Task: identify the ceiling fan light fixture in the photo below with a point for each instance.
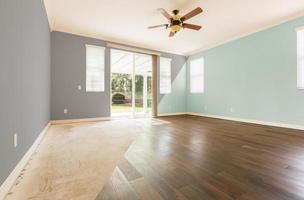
(176, 21)
(175, 28)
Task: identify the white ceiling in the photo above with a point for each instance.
(126, 21)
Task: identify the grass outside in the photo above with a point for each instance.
(123, 108)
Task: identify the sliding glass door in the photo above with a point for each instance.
(131, 76)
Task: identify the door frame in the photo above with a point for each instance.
(154, 83)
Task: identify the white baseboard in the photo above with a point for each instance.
(69, 121)
(276, 124)
(171, 114)
(10, 180)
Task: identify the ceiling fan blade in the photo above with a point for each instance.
(191, 14)
(157, 26)
(164, 13)
(192, 26)
(171, 34)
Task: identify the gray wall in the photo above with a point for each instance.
(24, 78)
(68, 60)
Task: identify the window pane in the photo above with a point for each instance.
(197, 75)
(94, 68)
(165, 75)
(300, 53)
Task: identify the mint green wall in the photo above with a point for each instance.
(174, 102)
(254, 78)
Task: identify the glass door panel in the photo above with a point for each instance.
(121, 83)
(139, 94)
(143, 73)
(149, 90)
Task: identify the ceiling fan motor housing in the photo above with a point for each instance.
(175, 12)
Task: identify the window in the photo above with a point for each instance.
(197, 75)
(94, 68)
(165, 75)
(300, 55)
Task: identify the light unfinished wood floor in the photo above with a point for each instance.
(74, 161)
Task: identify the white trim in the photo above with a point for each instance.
(132, 49)
(115, 40)
(70, 121)
(10, 180)
(171, 114)
(188, 53)
(301, 28)
(95, 46)
(242, 35)
(267, 123)
(165, 58)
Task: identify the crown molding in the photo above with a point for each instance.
(118, 42)
(244, 34)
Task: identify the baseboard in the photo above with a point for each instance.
(10, 180)
(69, 121)
(171, 114)
(276, 124)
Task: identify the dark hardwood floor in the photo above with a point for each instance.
(189, 158)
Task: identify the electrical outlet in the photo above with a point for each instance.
(65, 111)
(231, 109)
(79, 87)
(15, 140)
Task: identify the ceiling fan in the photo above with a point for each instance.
(177, 22)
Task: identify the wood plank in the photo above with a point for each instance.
(144, 190)
(128, 170)
(117, 188)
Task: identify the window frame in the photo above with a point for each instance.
(202, 75)
(160, 75)
(300, 59)
(89, 90)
